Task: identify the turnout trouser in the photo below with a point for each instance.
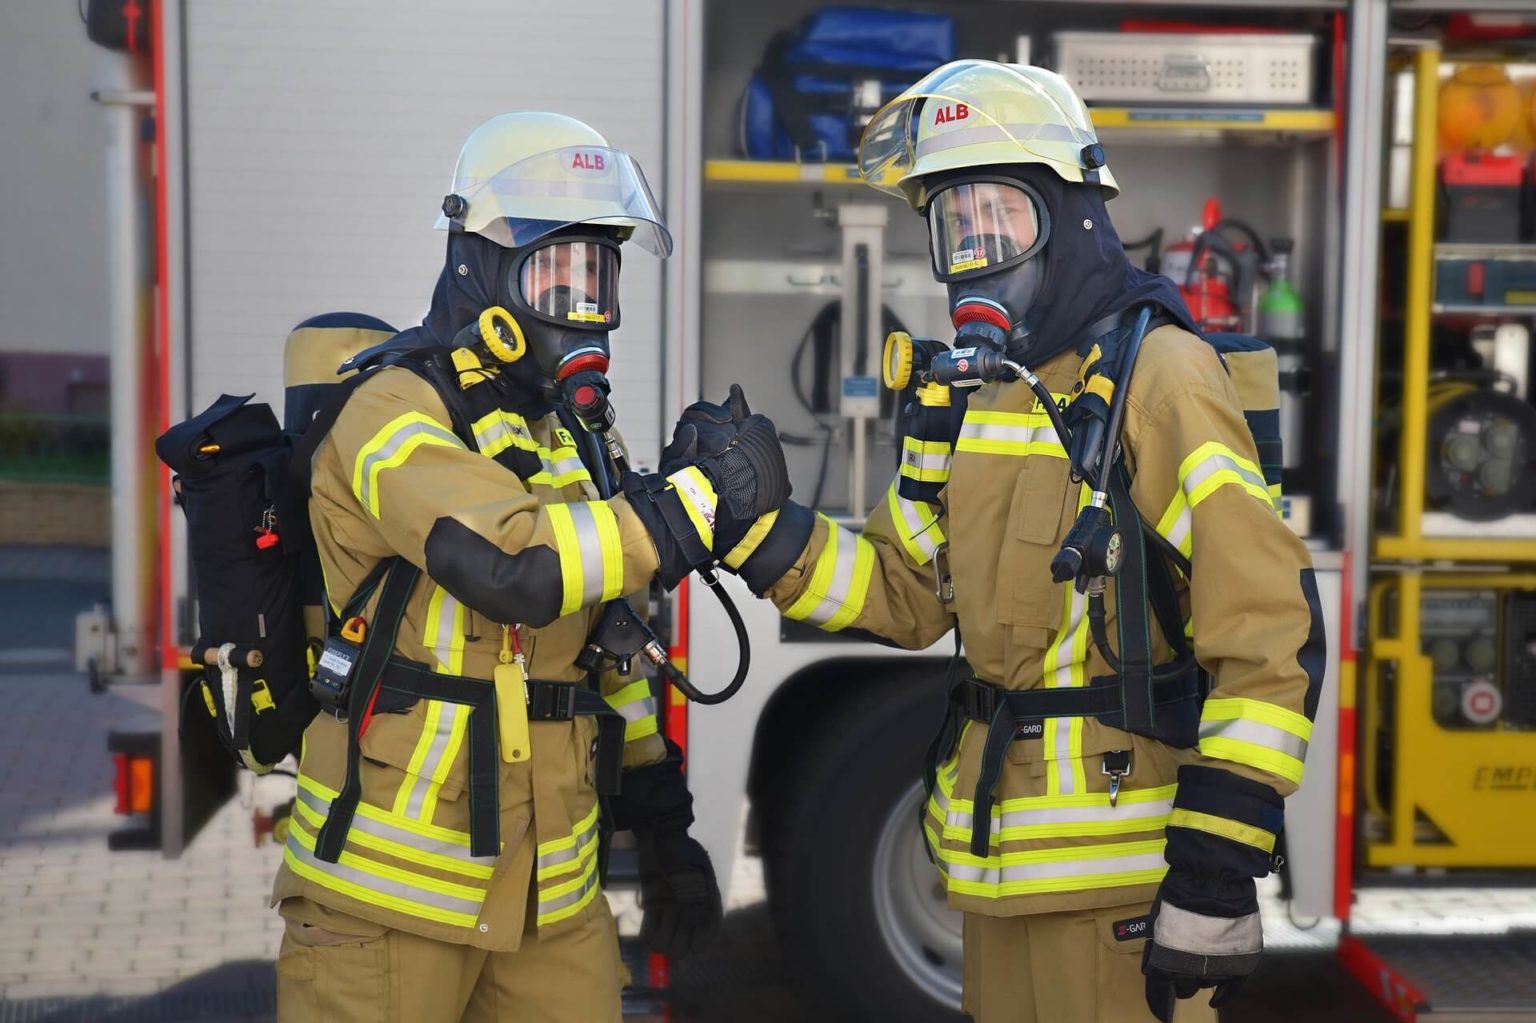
(1077, 967)
(336, 968)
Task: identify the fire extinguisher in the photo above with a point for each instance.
(1216, 275)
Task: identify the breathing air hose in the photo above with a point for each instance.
(621, 634)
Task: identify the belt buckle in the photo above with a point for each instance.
(563, 702)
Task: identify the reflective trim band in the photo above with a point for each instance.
(1076, 868)
(698, 499)
(390, 447)
(638, 706)
(591, 553)
(1069, 816)
(566, 900)
(1246, 834)
(499, 430)
(441, 736)
(397, 842)
(444, 634)
(926, 461)
(421, 829)
(839, 583)
(562, 467)
(1210, 467)
(1027, 131)
(917, 526)
(556, 857)
(1256, 734)
(1009, 433)
(754, 539)
(1064, 666)
(382, 885)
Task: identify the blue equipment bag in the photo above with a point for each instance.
(810, 97)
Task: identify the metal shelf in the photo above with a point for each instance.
(1147, 123)
(1485, 310)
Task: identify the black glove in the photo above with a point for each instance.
(1206, 931)
(678, 891)
(749, 478)
(705, 429)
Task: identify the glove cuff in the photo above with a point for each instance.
(772, 546)
(1223, 823)
(1189, 944)
(678, 511)
(654, 798)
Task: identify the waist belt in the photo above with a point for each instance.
(547, 701)
(1012, 714)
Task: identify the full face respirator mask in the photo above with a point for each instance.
(986, 234)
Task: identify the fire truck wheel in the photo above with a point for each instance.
(859, 909)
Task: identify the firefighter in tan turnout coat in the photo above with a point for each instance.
(443, 857)
(1067, 840)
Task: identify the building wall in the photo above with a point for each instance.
(52, 181)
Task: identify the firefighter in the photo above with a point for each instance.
(1103, 874)
(444, 855)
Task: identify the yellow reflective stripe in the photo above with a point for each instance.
(548, 852)
(1074, 868)
(1253, 755)
(1009, 433)
(383, 885)
(435, 832)
(1275, 493)
(1065, 666)
(499, 430)
(407, 798)
(562, 467)
(917, 525)
(1208, 468)
(390, 447)
(458, 728)
(1235, 830)
(1257, 734)
(698, 499)
(573, 898)
(444, 634)
(926, 461)
(834, 597)
(400, 851)
(638, 707)
(1229, 708)
(591, 553)
(738, 555)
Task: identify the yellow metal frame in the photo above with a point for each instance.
(1134, 121)
(1409, 543)
(1447, 774)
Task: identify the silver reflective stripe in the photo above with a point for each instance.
(1124, 813)
(842, 579)
(386, 886)
(590, 542)
(1257, 733)
(1214, 464)
(638, 710)
(919, 522)
(1044, 433)
(1179, 532)
(379, 829)
(1060, 868)
(570, 465)
(392, 447)
(1029, 131)
(501, 433)
(559, 902)
(929, 462)
(421, 781)
(566, 855)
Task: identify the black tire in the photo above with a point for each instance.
(854, 776)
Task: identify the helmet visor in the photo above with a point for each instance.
(980, 226)
(575, 282)
(561, 188)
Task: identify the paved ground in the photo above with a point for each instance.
(129, 936)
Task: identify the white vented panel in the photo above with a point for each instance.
(321, 139)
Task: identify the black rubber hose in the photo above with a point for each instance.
(743, 644)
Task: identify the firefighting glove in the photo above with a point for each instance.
(678, 892)
(1206, 931)
(705, 429)
(703, 510)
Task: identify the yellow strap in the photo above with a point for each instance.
(1211, 824)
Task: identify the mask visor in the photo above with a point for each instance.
(980, 226)
(575, 283)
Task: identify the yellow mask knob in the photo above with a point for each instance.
(896, 362)
(502, 335)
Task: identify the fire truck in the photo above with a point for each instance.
(273, 161)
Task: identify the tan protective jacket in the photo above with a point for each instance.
(1057, 842)
(539, 554)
